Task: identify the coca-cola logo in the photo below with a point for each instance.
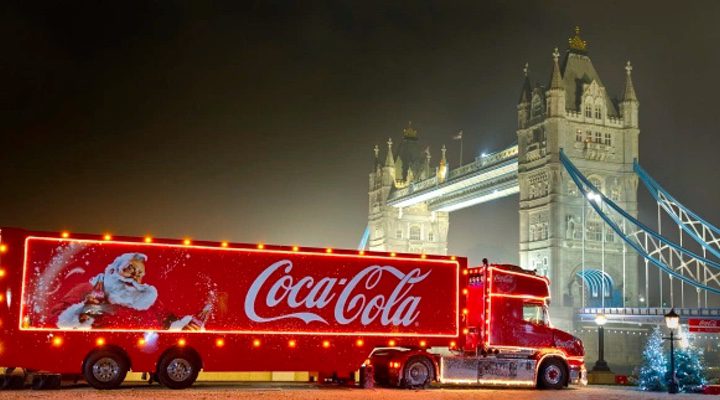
(352, 298)
(707, 323)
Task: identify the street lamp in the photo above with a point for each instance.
(672, 321)
(601, 364)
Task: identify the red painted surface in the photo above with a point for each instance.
(275, 308)
(698, 325)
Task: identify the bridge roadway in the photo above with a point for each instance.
(487, 178)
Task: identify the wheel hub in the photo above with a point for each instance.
(106, 369)
(553, 374)
(418, 373)
(179, 369)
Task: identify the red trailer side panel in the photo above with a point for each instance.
(126, 286)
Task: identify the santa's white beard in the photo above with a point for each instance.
(127, 292)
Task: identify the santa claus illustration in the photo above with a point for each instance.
(118, 298)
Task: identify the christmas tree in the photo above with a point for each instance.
(653, 372)
(689, 366)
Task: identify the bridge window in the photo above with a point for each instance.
(594, 231)
(415, 233)
(578, 136)
(431, 236)
(588, 111)
(608, 139)
(598, 137)
(598, 113)
(398, 234)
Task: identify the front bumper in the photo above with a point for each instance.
(578, 375)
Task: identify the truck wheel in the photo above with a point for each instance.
(46, 382)
(418, 373)
(105, 369)
(552, 374)
(12, 382)
(178, 369)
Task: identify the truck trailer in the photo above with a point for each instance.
(93, 307)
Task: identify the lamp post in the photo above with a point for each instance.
(601, 365)
(672, 321)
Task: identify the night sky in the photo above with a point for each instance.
(255, 121)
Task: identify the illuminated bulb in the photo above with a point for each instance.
(453, 258)
(256, 343)
(292, 343)
(148, 239)
(295, 248)
(3, 248)
(361, 252)
(260, 246)
(465, 291)
(107, 236)
(326, 344)
(328, 250)
(57, 341)
(359, 343)
(423, 343)
(220, 342)
(391, 343)
(2, 297)
(465, 311)
(186, 242)
(465, 272)
(423, 255)
(100, 341)
(453, 344)
(392, 254)
(65, 235)
(2, 273)
(224, 244)
(182, 342)
(465, 331)
(141, 342)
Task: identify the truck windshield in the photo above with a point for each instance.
(534, 313)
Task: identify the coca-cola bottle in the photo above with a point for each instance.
(200, 319)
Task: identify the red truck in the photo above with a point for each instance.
(94, 307)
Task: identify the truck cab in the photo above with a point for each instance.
(509, 337)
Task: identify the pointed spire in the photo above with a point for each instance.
(556, 80)
(629, 88)
(442, 168)
(376, 150)
(389, 162)
(527, 87)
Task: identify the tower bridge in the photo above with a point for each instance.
(574, 166)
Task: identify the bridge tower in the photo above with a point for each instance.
(413, 229)
(600, 135)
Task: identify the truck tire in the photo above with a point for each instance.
(418, 372)
(46, 382)
(552, 374)
(178, 369)
(105, 369)
(12, 382)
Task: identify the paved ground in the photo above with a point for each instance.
(310, 392)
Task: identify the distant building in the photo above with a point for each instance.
(600, 134)
(413, 229)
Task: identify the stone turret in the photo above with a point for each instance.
(556, 93)
(630, 104)
(523, 107)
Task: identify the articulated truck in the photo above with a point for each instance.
(94, 307)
